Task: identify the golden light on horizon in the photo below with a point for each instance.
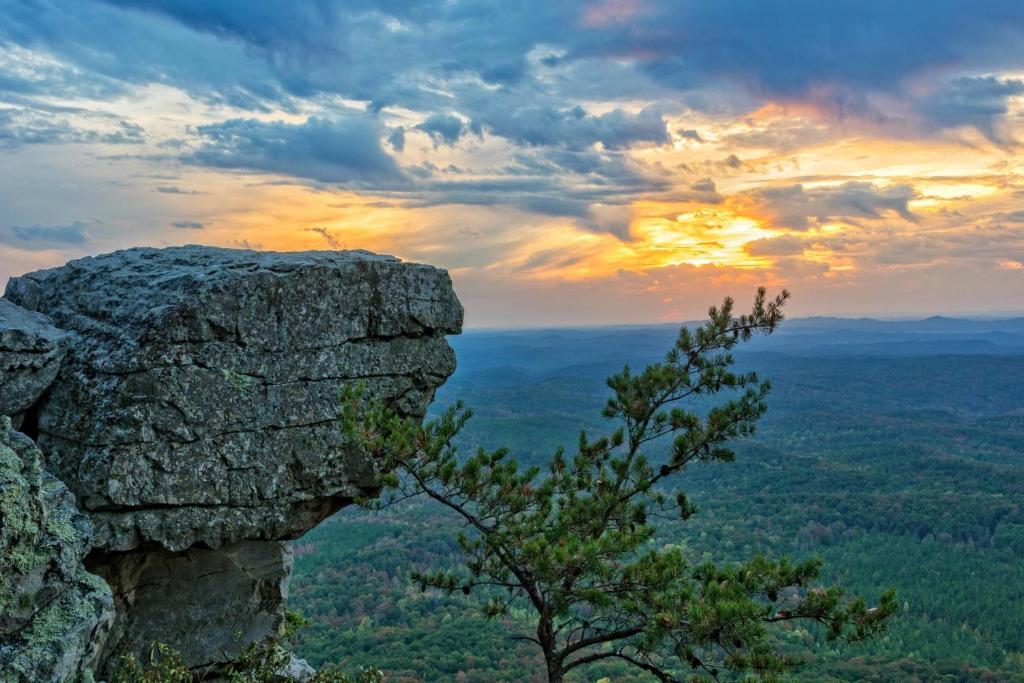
(699, 237)
(742, 230)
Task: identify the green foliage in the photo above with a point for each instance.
(573, 544)
(164, 666)
(263, 664)
(293, 623)
(258, 663)
(23, 518)
(902, 471)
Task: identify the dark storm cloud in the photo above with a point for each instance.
(549, 258)
(259, 52)
(784, 245)
(549, 181)
(574, 127)
(796, 207)
(791, 47)
(174, 189)
(387, 53)
(346, 150)
(101, 51)
(557, 80)
(443, 127)
(978, 102)
(611, 170)
(328, 236)
(397, 139)
(38, 237)
(704, 185)
(781, 46)
(27, 126)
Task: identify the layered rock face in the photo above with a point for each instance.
(54, 615)
(207, 604)
(197, 403)
(194, 416)
(31, 350)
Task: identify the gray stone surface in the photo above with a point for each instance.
(297, 670)
(195, 416)
(208, 604)
(53, 614)
(198, 402)
(31, 349)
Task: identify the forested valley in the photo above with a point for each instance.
(892, 450)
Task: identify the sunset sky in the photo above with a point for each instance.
(568, 162)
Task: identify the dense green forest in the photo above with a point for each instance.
(893, 451)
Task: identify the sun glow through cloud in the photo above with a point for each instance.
(584, 169)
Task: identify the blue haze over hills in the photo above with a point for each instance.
(892, 449)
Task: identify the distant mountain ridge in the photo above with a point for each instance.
(542, 350)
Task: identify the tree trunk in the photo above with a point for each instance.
(553, 658)
(555, 672)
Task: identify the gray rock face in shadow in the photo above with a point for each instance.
(195, 414)
(31, 350)
(208, 603)
(53, 613)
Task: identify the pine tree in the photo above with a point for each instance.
(574, 541)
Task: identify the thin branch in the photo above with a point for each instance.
(606, 637)
(658, 673)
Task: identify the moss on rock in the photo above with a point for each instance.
(53, 613)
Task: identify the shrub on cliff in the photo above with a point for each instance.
(269, 663)
(52, 611)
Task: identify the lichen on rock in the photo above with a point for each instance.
(52, 611)
(31, 350)
(195, 415)
(199, 400)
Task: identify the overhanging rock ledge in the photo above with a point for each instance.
(194, 416)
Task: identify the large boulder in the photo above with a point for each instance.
(31, 349)
(199, 400)
(53, 613)
(195, 416)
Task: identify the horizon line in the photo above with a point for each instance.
(980, 316)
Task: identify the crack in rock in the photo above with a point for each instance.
(189, 398)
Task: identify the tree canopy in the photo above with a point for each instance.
(576, 540)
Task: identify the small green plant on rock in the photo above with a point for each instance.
(258, 663)
(164, 666)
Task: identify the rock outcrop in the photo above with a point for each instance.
(206, 603)
(31, 350)
(53, 613)
(194, 416)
